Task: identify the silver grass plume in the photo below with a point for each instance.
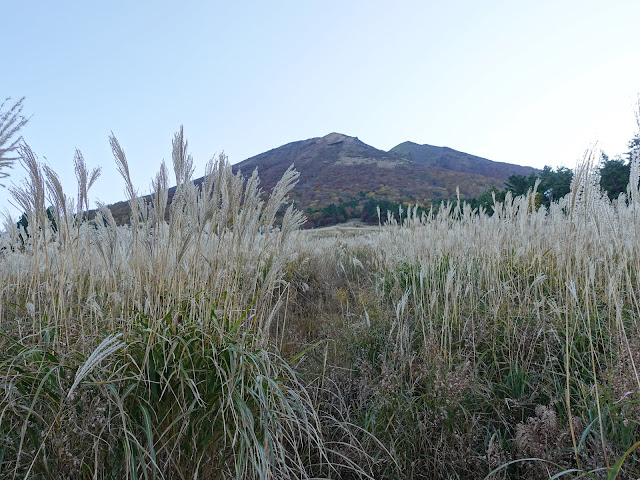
(10, 226)
(228, 193)
(293, 219)
(109, 345)
(279, 195)
(634, 174)
(63, 206)
(182, 160)
(85, 180)
(585, 184)
(249, 209)
(184, 199)
(634, 177)
(219, 179)
(206, 203)
(31, 195)
(55, 191)
(160, 189)
(106, 234)
(11, 121)
(123, 169)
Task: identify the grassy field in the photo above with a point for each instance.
(351, 228)
(202, 341)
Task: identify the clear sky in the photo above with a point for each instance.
(527, 82)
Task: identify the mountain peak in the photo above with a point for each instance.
(407, 143)
(336, 137)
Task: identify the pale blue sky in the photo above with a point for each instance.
(532, 83)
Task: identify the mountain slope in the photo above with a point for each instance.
(450, 159)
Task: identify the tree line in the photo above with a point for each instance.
(556, 183)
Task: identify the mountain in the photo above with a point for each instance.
(341, 176)
(451, 159)
(339, 167)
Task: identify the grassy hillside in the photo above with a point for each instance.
(450, 159)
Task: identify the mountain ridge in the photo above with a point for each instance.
(456, 160)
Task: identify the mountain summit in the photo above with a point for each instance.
(315, 154)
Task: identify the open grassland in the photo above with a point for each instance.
(202, 341)
(351, 228)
